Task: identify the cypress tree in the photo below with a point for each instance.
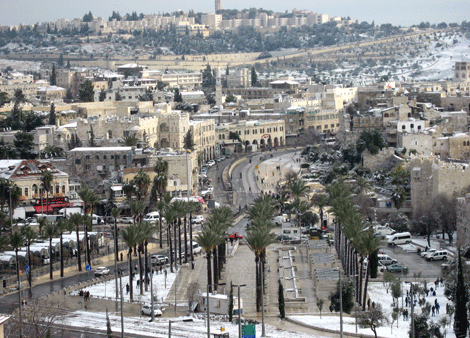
(282, 305)
(230, 304)
(461, 298)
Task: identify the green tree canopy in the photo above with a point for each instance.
(86, 92)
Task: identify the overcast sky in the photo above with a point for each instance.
(397, 12)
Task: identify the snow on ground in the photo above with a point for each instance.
(159, 328)
(108, 289)
(378, 294)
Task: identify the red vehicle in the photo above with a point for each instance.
(235, 235)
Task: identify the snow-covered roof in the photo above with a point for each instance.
(82, 149)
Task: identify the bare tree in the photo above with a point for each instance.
(372, 318)
(38, 318)
(192, 293)
(445, 208)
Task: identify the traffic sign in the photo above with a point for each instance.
(249, 331)
(88, 267)
(27, 268)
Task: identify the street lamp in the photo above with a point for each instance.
(119, 272)
(208, 312)
(239, 310)
(175, 321)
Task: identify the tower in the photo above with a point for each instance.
(218, 88)
(218, 5)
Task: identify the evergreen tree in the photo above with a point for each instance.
(347, 288)
(86, 92)
(254, 77)
(60, 62)
(75, 142)
(52, 117)
(102, 95)
(282, 305)
(53, 77)
(24, 144)
(91, 141)
(117, 97)
(88, 17)
(68, 64)
(178, 97)
(461, 298)
(189, 140)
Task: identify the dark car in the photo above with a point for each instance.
(281, 238)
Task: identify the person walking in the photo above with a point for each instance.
(127, 288)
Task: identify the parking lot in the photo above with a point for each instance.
(415, 263)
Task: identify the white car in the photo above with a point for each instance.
(127, 220)
(198, 219)
(147, 310)
(424, 254)
(210, 163)
(102, 271)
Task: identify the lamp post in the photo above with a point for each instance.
(151, 289)
(340, 306)
(119, 272)
(239, 310)
(208, 312)
(175, 321)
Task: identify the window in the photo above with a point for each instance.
(78, 161)
(63, 189)
(105, 157)
(87, 157)
(88, 167)
(124, 156)
(112, 157)
(117, 157)
(403, 127)
(57, 189)
(97, 157)
(26, 192)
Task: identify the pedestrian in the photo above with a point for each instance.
(437, 308)
(436, 283)
(138, 283)
(127, 288)
(121, 257)
(434, 293)
(368, 304)
(442, 280)
(447, 308)
(433, 309)
(404, 315)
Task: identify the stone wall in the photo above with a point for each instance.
(385, 159)
(463, 220)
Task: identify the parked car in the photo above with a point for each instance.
(152, 217)
(198, 219)
(102, 271)
(147, 310)
(438, 255)
(127, 220)
(235, 235)
(158, 260)
(428, 252)
(281, 238)
(386, 259)
(211, 163)
(395, 268)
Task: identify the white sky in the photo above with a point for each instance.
(403, 13)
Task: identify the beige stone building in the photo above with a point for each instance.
(431, 176)
(462, 71)
(454, 147)
(421, 142)
(463, 220)
(27, 174)
(204, 137)
(263, 134)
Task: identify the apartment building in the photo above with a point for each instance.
(462, 72)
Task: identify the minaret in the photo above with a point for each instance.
(218, 5)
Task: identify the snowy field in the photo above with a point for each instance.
(378, 294)
(108, 289)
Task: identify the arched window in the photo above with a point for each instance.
(110, 134)
(35, 189)
(63, 189)
(57, 189)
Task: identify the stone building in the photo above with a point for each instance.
(27, 174)
(454, 147)
(204, 137)
(431, 177)
(421, 142)
(463, 220)
(92, 165)
(462, 71)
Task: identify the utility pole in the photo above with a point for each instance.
(340, 306)
(263, 327)
(412, 312)
(119, 271)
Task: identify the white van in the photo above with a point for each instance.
(438, 255)
(152, 217)
(400, 238)
(386, 259)
(196, 248)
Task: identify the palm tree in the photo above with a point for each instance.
(142, 184)
(146, 230)
(263, 207)
(370, 244)
(46, 179)
(89, 198)
(192, 207)
(130, 235)
(297, 188)
(180, 207)
(137, 209)
(160, 182)
(16, 241)
(320, 201)
(49, 232)
(207, 239)
(170, 214)
(116, 212)
(30, 236)
(301, 207)
(63, 225)
(76, 220)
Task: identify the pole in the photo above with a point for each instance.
(19, 291)
(355, 300)
(11, 211)
(151, 292)
(412, 312)
(208, 314)
(169, 329)
(263, 328)
(340, 306)
(115, 259)
(239, 315)
(122, 300)
(176, 279)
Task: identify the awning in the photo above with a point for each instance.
(29, 208)
(41, 209)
